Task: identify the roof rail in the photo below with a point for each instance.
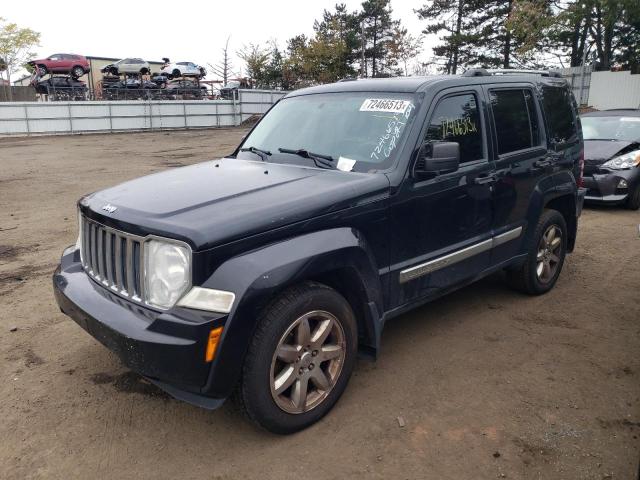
(347, 79)
(483, 72)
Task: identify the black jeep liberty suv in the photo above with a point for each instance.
(264, 273)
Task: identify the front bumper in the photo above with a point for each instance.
(166, 347)
(604, 188)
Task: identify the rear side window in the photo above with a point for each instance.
(558, 109)
(457, 119)
(515, 119)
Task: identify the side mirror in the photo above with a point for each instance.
(435, 157)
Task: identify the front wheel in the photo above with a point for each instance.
(545, 258)
(300, 358)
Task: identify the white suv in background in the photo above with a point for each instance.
(182, 69)
(128, 66)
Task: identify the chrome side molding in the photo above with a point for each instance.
(451, 258)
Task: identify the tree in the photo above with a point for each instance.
(454, 20)
(404, 47)
(15, 47)
(274, 70)
(223, 68)
(572, 30)
(338, 31)
(256, 57)
(378, 30)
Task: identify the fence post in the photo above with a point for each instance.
(235, 119)
(26, 118)
(70, 117)
(184, 112)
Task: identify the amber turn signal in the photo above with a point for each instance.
(212, 344)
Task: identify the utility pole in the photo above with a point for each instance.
(363, 62)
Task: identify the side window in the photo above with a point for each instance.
(515, 119)
(558, 109)
(457, 119)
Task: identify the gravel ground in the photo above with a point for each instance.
(488, 383)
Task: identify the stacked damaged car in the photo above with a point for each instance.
(132, 79)
(58, 76)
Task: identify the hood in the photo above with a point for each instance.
(603, 150)
(208, 205)
(597, 152)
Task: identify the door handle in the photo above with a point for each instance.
(543, 163)
(485, 179)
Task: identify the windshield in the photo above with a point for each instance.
(611, 128)
(360, 131)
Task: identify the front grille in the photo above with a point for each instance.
(112, 258)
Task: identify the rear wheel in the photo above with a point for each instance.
(175, 73)
(545, 258)
(633, 201)
(77, 71)
(42, 70)
(300, 359)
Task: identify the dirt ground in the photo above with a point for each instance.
(489, 383)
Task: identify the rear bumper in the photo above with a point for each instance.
(166, 347)
(604, 188)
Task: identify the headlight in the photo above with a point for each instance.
(628, 160)
(167, 272)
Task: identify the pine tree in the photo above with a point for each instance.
(378, 29)
(453, 19)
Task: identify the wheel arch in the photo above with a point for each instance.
(558, 192)
(566, 205)
(339, 258)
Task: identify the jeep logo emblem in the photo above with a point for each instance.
(109, 208)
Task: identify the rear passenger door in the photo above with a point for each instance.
(522, 161)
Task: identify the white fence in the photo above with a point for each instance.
(614, 90)
(28, 118)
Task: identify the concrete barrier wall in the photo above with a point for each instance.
(42, 118)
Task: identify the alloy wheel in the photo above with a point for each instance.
(549, 254)
(307, 362)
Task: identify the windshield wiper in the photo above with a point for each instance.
(263, 154)
(326, 161)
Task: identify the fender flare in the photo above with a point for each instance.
(552, 188)
(256, 277)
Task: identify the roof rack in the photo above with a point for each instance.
(484, 72)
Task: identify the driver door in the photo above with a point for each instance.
(441, 223)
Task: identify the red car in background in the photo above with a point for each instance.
(76, 65)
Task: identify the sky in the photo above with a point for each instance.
(180, 30)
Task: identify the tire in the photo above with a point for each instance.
(144, 71)
(77, 71)
(633, 201)
(528, 278)
(175, 73)
(114, 71)
(42, 70)
(278, 406)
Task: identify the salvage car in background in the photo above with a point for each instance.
(71, 63)
(62, 88)
(186, 89)
(183, 69)
(612, 157)
(128, 66)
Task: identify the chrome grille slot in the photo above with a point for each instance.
(112, 258)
